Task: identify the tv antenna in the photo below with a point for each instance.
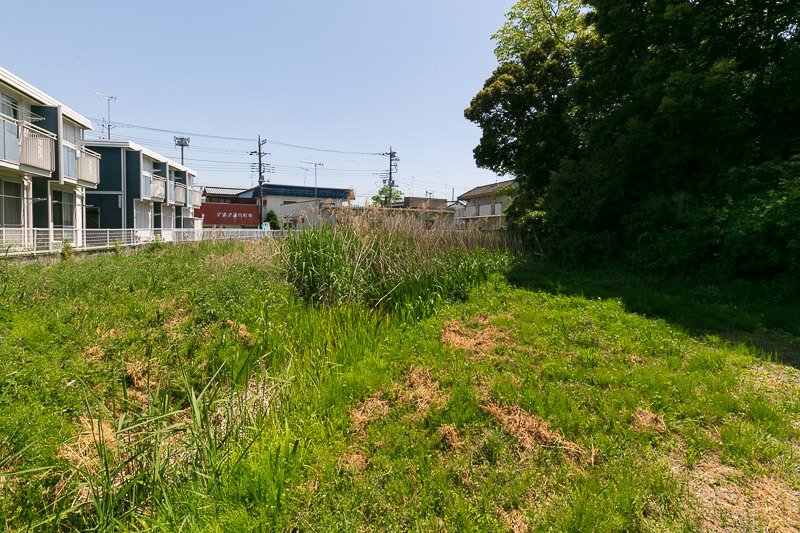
(108, 98)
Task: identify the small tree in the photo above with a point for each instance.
(272, 220)
(383, 194)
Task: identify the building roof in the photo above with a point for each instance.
(485, 190)
(300, 191)
(130, 145)
(44, 99)
(223, 191)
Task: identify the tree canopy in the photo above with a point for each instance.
(638, 126)
(382, 198)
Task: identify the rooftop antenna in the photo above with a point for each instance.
(108, 98)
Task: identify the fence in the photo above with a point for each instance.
(20, 241)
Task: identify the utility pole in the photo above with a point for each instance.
(392, 168)
(260, 154)
(183, 142)
(108, 98)
(316, 200)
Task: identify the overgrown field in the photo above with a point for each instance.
(375, 379)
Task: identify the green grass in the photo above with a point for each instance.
(228, 378)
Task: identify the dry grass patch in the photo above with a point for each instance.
(773, 379)
(479, 343)
(140, 374)
(730, 501)
(422, 391)
(514, 520)
(83, 453)
(179, 317)
(354, 460)
(371, 409)
(531, 431)
(645, 421)
(247, 254)
(93, 354)
(240, 333)
(450, 438)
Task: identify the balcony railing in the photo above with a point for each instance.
(197, 197)
(482, 211)
(158, 190)
(180, 194)
(88, 167)
(38, 148)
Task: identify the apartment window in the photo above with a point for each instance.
(72, 134)
(9, 131)
(70, 162)
(10, 203)
(63, 209)
(8, 106)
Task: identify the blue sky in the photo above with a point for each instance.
(351, 75)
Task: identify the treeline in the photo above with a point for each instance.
(665, 133)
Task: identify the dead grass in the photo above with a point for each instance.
(514, 520)
(140, 374)
(450, 438)
(94, 353)
(422, 391)
(240, 333)
(371, 409)
(83, 452)
(531, 431)
(179, 317)
(246, 254)
(730, 501)
(646, 421)
(354, 460)
(480, 343)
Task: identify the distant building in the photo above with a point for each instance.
(297, 205)
(142, 190)
(484, 207)
(418, 202)
(45, 168)
(225, 195)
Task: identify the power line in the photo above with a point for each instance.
(242, 139)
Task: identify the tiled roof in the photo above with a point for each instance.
(484, 190)
(223, 191)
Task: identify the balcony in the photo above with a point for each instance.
(193, 196)
(158, 188)
(37, 151)
(180, 194)
(38, 148)
(88, 167)
(480, 211)
(170, 192)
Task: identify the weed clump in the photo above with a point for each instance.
(395, 264)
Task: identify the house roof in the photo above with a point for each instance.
(44, 99)
(300, 191)
(223, 191)
(130, 145)
(485, 190)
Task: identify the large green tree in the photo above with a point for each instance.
(635, 123)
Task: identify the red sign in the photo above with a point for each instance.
(228, 214)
